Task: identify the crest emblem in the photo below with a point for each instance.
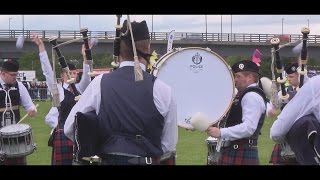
(196, 59)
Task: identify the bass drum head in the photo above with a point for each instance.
(201, 81)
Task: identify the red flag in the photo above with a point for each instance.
(256, 57)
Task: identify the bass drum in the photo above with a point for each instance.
(201, 81)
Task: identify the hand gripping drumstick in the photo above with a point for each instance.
(26, 115)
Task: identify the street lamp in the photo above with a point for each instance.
(206, 27)
(308, 23)
(221, 27)
(10, 25)
(23, 24)
(231, 27)
(282, 25)
(152, 23)
(79, 21)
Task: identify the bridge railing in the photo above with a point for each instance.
(162, 36)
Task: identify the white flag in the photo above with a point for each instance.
(170, 41)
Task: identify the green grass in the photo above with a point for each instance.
(40, 132)
(191, 148)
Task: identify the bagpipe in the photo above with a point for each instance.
(64, 66)
(84, 32)
(116, 44)
(302, 70)
(86, 143)
(286, 153)
(303, 136)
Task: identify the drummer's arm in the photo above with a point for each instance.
(26, 100)
(167, 107)
(169, 137)
(253, 106)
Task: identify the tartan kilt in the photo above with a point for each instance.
(168, 158)
(244, 155)
(62, 150)
(276, 157)
(14, 161)
(169, 161)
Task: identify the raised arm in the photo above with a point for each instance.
(45, 63)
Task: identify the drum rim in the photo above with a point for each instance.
(165, 57)
(28, 129)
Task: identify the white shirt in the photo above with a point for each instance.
(253, 106)
(25, 98)
(163, 100)
(305, 102)
(51, 118)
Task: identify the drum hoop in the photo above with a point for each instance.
(166, 56)
(17, 133)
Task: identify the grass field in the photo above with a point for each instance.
(191, 148)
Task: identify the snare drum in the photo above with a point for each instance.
(16, 140)
(201, 81)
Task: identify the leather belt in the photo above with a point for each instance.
(132, 160)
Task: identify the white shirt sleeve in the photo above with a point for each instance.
(253, 106)
(91, 102)
(47, 70)
(25, 98)
(51, 118)
(305, 102)
(85, 79)
(167, 107)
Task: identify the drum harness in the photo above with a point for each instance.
(7, 90)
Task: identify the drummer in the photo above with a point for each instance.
(245, 119)
(138, 119)
(13, 94)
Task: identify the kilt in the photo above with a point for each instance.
(242, 155)
(170, 160)
(277, 159)
(14, 161)
(62, 150)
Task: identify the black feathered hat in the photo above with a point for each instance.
(245, 65)
(140, 31)
(291, 67)
(10, 65)
(72, 66)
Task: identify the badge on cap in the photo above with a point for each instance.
(241, 66)
(293, 68)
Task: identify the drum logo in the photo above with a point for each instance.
(196, 66)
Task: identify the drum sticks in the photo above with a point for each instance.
(26, 115)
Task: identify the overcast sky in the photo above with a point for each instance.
(259, 24)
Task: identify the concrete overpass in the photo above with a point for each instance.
(223, 44)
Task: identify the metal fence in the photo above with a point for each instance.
(161, 36)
